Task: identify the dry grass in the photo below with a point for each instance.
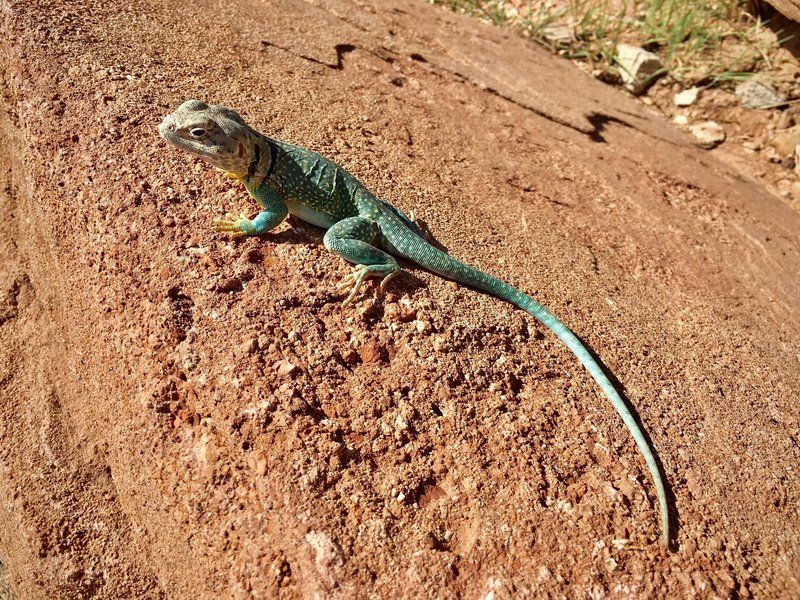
(699, 41)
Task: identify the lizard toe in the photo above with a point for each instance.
(235, 226)
(387, 279)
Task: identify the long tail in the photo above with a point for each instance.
(530, 305)
(431, 258)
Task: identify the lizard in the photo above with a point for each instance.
(364, 230)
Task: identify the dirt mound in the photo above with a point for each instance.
(187, 417)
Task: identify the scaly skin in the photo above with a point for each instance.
(361, 228)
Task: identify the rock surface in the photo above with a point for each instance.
(431, 443)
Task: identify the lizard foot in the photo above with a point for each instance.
(357, 277)
(232, 225)
(230, 175)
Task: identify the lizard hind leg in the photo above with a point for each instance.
(352, 239)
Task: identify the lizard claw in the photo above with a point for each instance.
(387, 279)
(234, 226)
(354, 280)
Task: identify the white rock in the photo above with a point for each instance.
(686, 97)
(680, 120)
(558, 35)
(638, 67)
(708, 134)
(756, 93)
(611, 564)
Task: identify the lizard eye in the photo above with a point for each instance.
(197, 132)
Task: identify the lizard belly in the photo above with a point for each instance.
(309, 215)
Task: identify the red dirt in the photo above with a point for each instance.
(188, 417)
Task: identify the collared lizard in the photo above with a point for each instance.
(369, 232)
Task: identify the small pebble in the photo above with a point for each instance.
(249, 347)
(370, 352)
(284, 367)
(708, 134)
(686, 97)
(755, 93)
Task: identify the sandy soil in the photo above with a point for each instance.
(188, 417)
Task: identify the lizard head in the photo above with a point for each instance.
(212, 132)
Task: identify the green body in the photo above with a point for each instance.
(360, 227)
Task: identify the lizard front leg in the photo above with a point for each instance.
(352, 239)
(273, 213)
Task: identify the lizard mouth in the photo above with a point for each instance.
(167, 129)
